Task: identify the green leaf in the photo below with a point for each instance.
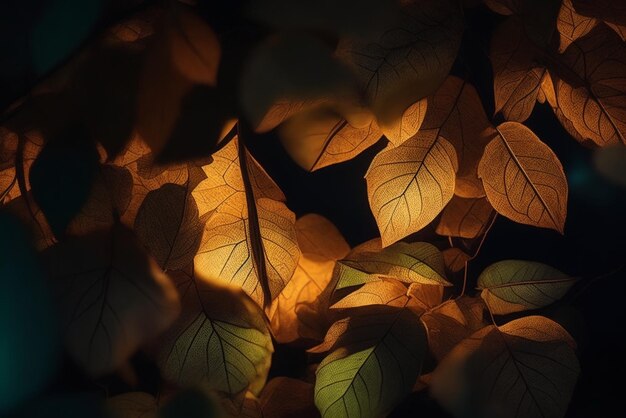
(524, 369)
(220, 339)
(418, 262)
(376, 359)
(516, 285)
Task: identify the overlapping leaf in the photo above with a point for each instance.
(407, 186)
(572, 25)
(515, 285)
(220, 338)
(526, 368)
(113, 297)
(523, 178)
(240, 247)
(465, 218)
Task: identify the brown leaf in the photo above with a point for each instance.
(405, 127)
(132, 405)
(607, 10)
(229, 247)
(409, 59)
(523, 178)
(456, 113)
(407, 186)
(517, 77)
(592, 92)
(320, 138)
(572, 25)
(113, 297)
(33, 143)
(219, 340)
(524, 369)
(284, 397)
(455, 259)
(465, 218)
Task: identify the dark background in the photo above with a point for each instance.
(592, 248)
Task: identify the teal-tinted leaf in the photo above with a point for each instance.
(220, 339)
(516, 285)
(375, 360)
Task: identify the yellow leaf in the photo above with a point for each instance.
(525, 369)
(409, 185)
(523, 178)
(465, 218)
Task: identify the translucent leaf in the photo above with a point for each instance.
(113, 297)
(524, 369)
(514, 285)
(407, 186)
(523, 178)
(220, 338)
(572, 25)
(465, 218)
(406, 126)
(375, 361)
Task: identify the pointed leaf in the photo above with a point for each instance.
(515, 285)
(220, 338)
(409, 185)
(406, 126)
(113, 297)
(523, 178)
(524, 369)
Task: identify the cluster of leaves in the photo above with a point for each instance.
(157, 230)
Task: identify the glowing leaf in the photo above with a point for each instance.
(407, 186)
(465, 218)
(374, 362)
(234, 238)
(406, 126)
(514, 285)
(455, 112)
(572, 25)
(385, 291)
(592, 93)
(417, 262)
(169, 226)
(523, 179)
(410, 57)
(299, 311)
(517, 77)
(524, 369)
(113, 297)
(220, 338)
(320, 138)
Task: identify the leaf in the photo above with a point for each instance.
(572, 25)
(465, 218)
(611, 163)
(113, 297)
(293, 67)
(233, 237)
(523, 178)
(526, 368)
(220, 338)
(319, 138)
(607, 10)
(375, 361)
(168, 225)
(455, 259)
(418, 262)
(514, 286)
(517, 77)
(284, 397)
(132, 405)
(109, 199)
(406, 126)
(407, 186)
(28, 321)
(62, 176)
(299, 310)
(456, 113)
(537, 16)
(192, 403)
(449, 323)
(410, 57)
(591, 91)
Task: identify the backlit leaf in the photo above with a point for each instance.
(465, 218)
(409, 59)
(405, 127)
(113, 297)
(230, 244)
(515, 285)
(385, 291)
(523, 178)
(220, 338)
(572, 25)
(455, 259)
(374, 362)
(407, 186)
(524, 369)
(592, 93)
